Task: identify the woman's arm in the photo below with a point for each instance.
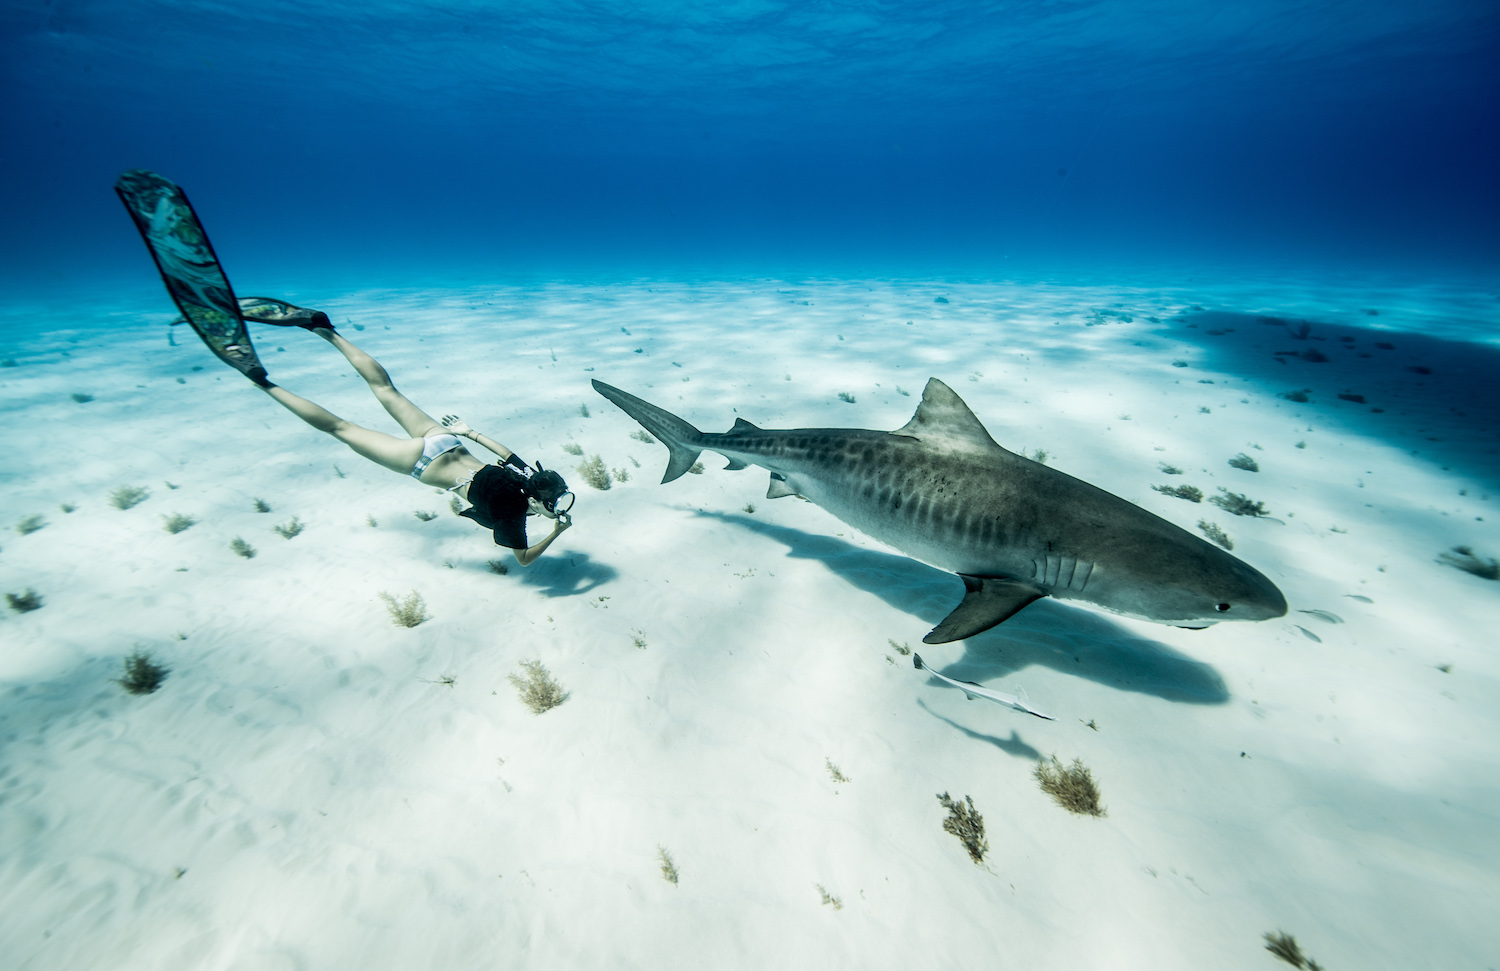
(528, 557)
(458, 426)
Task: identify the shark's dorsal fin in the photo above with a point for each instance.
(741, 425)
(943, 414)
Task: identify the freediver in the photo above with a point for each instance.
(501, 494)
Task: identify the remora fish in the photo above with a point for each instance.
(940, 490)
(973, 691)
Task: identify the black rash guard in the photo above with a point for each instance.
(498, 494)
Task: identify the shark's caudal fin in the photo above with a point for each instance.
(680, 438)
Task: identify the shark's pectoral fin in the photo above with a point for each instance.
(986, 603)
(779, 487)
(735, 465)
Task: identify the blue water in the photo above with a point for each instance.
(398, 141)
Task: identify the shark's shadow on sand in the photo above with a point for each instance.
(1076, 641)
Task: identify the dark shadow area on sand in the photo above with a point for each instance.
(1415, 388)
(85, 691)
(1011, 746)
(1069, 639)
(564, 574)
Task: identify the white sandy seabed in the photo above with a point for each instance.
(308, 790)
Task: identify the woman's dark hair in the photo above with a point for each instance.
(546, 486)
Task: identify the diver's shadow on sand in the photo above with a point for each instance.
(1076, 641)
(1012, 745)
(567, 574)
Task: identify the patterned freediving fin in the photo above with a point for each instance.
(188, 267)
(269, 310)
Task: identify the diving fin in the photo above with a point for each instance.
(189, 268)
(268, 310)
(987, 602)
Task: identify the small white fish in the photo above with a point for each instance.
(1324, 615)
(973, 691)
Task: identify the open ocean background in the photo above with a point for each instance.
(359, 143)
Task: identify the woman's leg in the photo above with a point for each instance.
(414, 420)
(396, 454)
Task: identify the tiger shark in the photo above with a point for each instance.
(942, 491)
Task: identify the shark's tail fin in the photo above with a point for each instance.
(916, 662)
(680, 438)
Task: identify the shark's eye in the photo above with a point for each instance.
(1221, 608)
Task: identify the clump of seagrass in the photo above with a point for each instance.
(24, 603)
(177, 522)
(1072, 786)
(538, 689)
(290, 529)
(639, 435)
(406, 613)
(1243, 461)
(1213, 532)
(828, 898)
(498, 567)
(1463, 558)
(1284, 946)
(668, 865)
(142, 675)
(1167, 469)
(128, 496)
(262, 506)
(1190, 493)
(594, 473)
(1236, 504)
(572, 448)
(31, 524)
(425, 516)
(965, 823)
(696, 468)
(242, 548)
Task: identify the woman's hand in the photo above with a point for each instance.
(457, 426)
